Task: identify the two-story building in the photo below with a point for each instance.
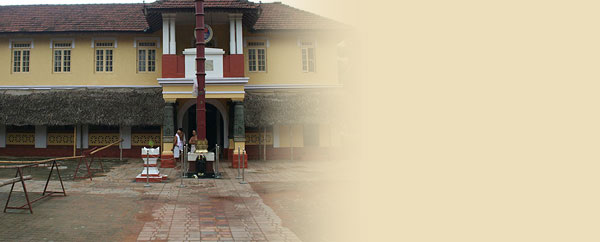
(75, 76)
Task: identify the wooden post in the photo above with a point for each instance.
(74, 140)
(291, 143)
(80, 139)
(259, 143)
(120, 147)
(265, 143)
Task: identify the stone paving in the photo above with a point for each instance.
(114, 208)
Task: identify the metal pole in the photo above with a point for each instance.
(182, 165)
(147, 167)
(217, 175)
(238, 170)
(244, 169)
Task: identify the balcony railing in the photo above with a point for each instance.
(217, 64)
(173, 66)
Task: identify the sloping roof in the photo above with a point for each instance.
(175, 4)
(131, 18)
(278, 16)
(72, 18)
(108, 106)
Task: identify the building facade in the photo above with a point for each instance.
(77, 76)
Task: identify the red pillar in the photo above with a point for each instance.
(200, 72)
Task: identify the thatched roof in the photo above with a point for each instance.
(107, 106)
(266, 109)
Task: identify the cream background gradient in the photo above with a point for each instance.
(481, 119)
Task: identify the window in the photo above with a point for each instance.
(257, 58)
(104, 56)
(146, 56)
(62, 56)
(21, 54)
(308, 56)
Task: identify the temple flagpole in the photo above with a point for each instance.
(201, 77)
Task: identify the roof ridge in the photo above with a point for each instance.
(69, 4)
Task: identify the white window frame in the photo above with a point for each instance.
(10, 41)
(147, 50)
(62, 50)
(62, 40)
(104, 62)
(146, 39)
(104, 39)
(305, 46)
(256, 39)
(256, 49)
(21, 51)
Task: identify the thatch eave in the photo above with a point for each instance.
(266, 109)
(106, 106)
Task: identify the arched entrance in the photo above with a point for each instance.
(215, 124)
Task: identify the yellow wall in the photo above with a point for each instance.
(284, 59)
(189, 88)
(297, 136)
(82, 62)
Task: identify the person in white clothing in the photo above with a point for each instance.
(178, 144)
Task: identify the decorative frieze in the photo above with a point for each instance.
(60, 139)
(20, 138)
(144, 139)
(254, 138)
(103, 139)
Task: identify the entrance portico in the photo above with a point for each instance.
(221, 92)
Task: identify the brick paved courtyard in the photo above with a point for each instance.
(284, 201)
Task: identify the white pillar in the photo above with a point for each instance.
(275, 136)
(84, 136)
(172, 42)
(2, 136)
(238, 35)
(165, 35)
(78, 136)
(125, 132)
(232, 44)
(40, 136)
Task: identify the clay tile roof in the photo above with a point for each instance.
(173, 4)
(72, 18)
(278, 16)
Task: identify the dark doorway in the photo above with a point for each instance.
(214, 125)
